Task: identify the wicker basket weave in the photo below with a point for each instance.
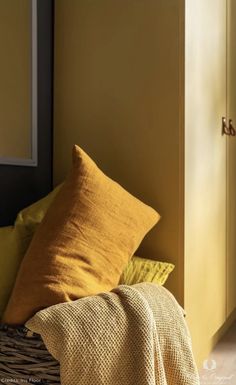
(24, 358)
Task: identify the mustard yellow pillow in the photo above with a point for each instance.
(145, 270)
(90, 231)
(10, 258)
(14, 241)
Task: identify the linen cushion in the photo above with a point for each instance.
(145, 270)
(32, 216)
(10, 258)
(14, 241)
(90, 231)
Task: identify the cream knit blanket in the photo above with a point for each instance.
(134, 335)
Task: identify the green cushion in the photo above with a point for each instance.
(146, 270)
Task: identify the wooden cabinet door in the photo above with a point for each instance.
(231, 159)
(205, 170)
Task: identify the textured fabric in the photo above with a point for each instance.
(32, 216)
(135, 335)
(14, 241)
(10, 258)
(145, 270)
(89, 233)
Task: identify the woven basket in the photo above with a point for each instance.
(24, 358)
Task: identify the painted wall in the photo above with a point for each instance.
(117, 95)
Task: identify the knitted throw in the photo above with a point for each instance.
(134, 335)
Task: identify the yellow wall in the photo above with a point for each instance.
(116, 76)
(120, 71)
(15, 73)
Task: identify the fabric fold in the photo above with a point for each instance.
(134, 335)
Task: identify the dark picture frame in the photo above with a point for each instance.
(20, 184)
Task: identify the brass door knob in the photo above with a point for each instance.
(231, 128)
(228, 130)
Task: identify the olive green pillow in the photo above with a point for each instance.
(145, 270)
